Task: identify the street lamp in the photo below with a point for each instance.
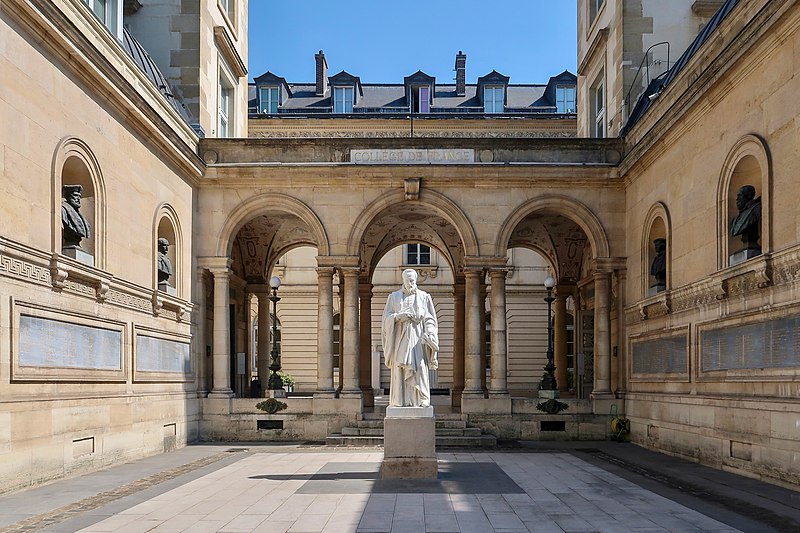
(549, 379)
(275, 381)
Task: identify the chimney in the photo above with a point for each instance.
(461, 73)
(322, 74)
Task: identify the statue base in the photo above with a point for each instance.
(743, 255)
(548, 394)
(78, 254)
(655, 289)
(409, 443)
(166, 287)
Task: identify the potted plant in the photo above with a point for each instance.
(288, 381)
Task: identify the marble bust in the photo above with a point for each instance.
(164, 264)
(410, 335)
(658, 268)
(74, 227)
(747, 224)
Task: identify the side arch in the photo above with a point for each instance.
(263, 203)
(435, 200)
(67, 148)
(750, 145)
(564, 206)
(658, 211)
(166, 212)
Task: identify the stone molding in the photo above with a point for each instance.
(62, 274)
(229, 52)
(304, 133)
(767, 271)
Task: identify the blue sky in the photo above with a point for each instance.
(381, 41)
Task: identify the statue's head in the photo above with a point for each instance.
(72, 194)
(745, 194)
(409, 279)
(163, 245)
(660, 245)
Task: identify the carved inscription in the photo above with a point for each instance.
(51, 343)
(162, 355)
(768, 344)
(660, 356)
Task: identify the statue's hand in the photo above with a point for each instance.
(434, 364)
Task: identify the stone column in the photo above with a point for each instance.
(325, 333)
(199, 340)
(472, 334)
(499, 362)
(263, 346)
(560, 338)
(365, 343)
(622, 355)
(350, 336)
(602, 334)
(482, 320)
(221, 356)
(458, 344)
(340, 381)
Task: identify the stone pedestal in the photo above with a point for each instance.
(652, 290)
(409, 443)
(743, 255)
(79, 254)
(166, 287)
(548, 394)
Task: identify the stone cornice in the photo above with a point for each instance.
(88, 51)
(597, 42)
(229, 52)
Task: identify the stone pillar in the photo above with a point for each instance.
(365, 343)
(199, 340)
(482, 319)
(458, 344)
(622, 355)
(263, 346)
(499, 362)
(602, 334)
(350, 336)
(472, 335)
(221, 382)
(325, 387)
(560, 338)
(340, 381)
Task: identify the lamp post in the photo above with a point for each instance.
(549, 379)
(275, 381)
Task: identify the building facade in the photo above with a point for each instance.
(681, 281)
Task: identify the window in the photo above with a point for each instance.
(597, 95)
(342, 99)
(594, 8)
(226, 105)
(420, 97)
(418, 254)
(565, 98)
(108, 12)
(336, 339)
(493, 99)
(269, 99)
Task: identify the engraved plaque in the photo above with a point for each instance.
(162, 355)
(660, 356)
(767, 344)
(45, 342)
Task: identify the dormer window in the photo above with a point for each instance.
(419, 89)
(493, 98)
(342, 99)
(565, 98)
(269, 99)
(421, 99)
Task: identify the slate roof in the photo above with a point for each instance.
(386, 98)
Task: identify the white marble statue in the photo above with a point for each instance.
(410, 336)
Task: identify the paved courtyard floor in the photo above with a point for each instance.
(317, 489)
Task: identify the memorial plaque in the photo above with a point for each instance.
(45, 342)
(661, 356)
(162, 355)
(407, 156)
(767, 344)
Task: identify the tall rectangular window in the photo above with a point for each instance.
(421, 97)
(594, 9)
(418, 254)
(493, 99)
(269, 99)
(565, 98)
(342, 99)
(109, 14)
(598, 111)
(226, 94)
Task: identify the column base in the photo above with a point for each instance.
(220, 393)
(351, 393)
(601, 402)
(325, 393)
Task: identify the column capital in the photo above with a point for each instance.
(325, 271)
(259, 289)
(485, 262)
(340, 261)
(350, 272)
(471, 272)
(365, 289)
(215, 265)
(609, 264)
(499, 272)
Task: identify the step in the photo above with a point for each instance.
(363, 432)
(337, 439)
(460, 432)
(483, 441)
(450, 424)
(370, 423)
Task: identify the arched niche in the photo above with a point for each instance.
(657, 226)
(748, 163)
(74, 165)
(167, 226)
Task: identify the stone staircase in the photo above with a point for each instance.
(451, 432)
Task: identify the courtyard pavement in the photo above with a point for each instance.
(542, 487)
